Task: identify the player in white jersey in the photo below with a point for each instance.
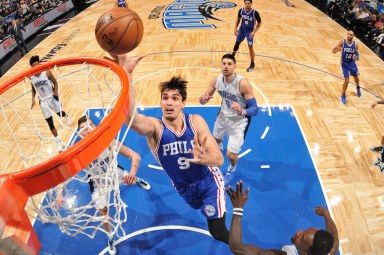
(311, 241)
(98, 177)
(47, 89)
(237, 106)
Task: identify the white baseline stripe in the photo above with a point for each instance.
(265, 166)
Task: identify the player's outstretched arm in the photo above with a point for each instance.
(330, 227)
(236, 245)
(142, 124)
(337, 47)
(205, 150)
(135, 158)
(208, 94)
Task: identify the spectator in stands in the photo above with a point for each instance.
(17, 35)
(2, 34)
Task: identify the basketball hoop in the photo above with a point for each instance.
(17, 187)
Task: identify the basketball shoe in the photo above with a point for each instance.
(358, 92)
(143, 184)
(250, 68)
(229, 174)
(378, 148)
(111, 247)
(343, 99)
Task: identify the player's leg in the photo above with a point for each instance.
(240, 37)
(355, 73)
(251, 53)
(55, 105)
(345, 84)
(139, 181)
(219, 130)
(218, 229)
(101, 204)
(238, 131)
(213, 208)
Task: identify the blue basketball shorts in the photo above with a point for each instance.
(349, 69)
(208, 194)
(244, 33)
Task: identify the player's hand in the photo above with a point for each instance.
(33, 104)
(238, 198)
(198, 151)
(321, 211)
(129, 179)
(204, 98)
(126, 62)
(251, 35)
(59, 203)
(237, 107)
(236, 32)
(374, 105)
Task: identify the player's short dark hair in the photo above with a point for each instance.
(248, 1)
(82, 120)
(34, 59)
(229, 56)
(177, 83)
(322, 243)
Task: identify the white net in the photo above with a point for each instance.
(27, 140)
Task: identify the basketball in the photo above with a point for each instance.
(119, 30)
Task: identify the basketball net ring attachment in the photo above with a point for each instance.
(87, 83)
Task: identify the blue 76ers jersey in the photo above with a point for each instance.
(348, 51)
(172, 154)
(247, 19)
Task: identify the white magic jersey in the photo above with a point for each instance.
(230, 93)
(42, 85)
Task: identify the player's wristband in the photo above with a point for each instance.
(238, 211)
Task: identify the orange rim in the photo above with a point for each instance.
(63, 166)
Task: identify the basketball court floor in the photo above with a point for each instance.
(275, 163)
(303, 149)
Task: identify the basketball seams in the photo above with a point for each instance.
(116, 20)
(122, 35)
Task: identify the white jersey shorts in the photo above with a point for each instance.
(234, 128)
(49, 105)
(101, 196)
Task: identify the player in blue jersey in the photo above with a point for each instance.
(121, 3)
(250, 23)
(185, 148)
(349, 55)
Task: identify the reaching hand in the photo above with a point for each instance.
(321, 211)
(129, 179)
(198, 151)
(237, 197)
(236, 32)
(252, 34)
(204, 98)
(374, 105)
(126, 62)
(33, 104)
